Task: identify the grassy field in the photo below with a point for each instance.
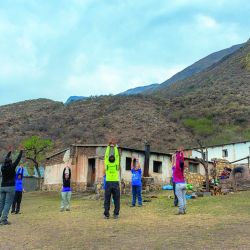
(221, 222)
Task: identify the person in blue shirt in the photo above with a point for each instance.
(19, 191)
(136, 182)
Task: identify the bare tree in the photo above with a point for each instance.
(204, 161)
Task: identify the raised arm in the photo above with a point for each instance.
(63, 175)
(20, 171)
(173, 159)
(16, 162)
(138, 165)
(8, 155)
(69, 173)
(106, 158)
(117, 155)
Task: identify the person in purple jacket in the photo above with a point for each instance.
(136, 182)
(179, 179)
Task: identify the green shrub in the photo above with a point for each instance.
(202, 126)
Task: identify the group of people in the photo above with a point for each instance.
(12, 188)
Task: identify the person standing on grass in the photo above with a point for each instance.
(180, 184)
(66, 190)
(112, 166)
(173, 167)
(136, 182)
(7, 192)
(19, 191)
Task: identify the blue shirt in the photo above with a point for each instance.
(19, 182)
(136, 177)
(104, 182)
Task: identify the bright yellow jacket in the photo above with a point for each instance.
(112, 168)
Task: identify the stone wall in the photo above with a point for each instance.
(76, 187)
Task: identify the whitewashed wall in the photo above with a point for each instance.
(126, 174)
(166, 174)
(235, 152)
(53, 174)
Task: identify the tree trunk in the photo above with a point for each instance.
(207, 179)
(39, 175)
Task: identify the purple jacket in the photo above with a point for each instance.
(179, 168)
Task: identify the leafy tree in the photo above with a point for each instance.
(36, 149)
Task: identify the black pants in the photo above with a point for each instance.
(112, 188)
(17, 202)
(175, 197)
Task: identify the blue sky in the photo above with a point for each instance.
(58, 48)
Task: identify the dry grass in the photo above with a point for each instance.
(221, 222)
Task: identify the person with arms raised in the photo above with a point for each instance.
(112, 188)
(7, 192)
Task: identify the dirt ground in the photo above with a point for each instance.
(221, 222)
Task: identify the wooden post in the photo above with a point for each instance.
(146, 161)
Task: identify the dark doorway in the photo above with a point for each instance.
(91, 172)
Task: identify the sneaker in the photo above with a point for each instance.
(5, 222)
(17, 212)
(179, 213)
(140, 205)
(132, 205)
(12, 212)
(106, 217)
(115, 216)
(62, 209)
(67, 209)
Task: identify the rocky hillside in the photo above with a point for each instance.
(213, 105)
(132, 120)
(200, 65)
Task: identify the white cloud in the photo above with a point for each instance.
(206, 21)
(107, 79)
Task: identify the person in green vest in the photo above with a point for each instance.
(112, 167)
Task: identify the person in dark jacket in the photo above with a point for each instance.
(19, 191)
(7, 192)
(66, 190)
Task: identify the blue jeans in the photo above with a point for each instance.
(7, 195)
(65, 202)
(136, 192)
(180, 190)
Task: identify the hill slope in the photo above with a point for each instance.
(216, 100)
(132, 120)
(201, 65)
(139, 90)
